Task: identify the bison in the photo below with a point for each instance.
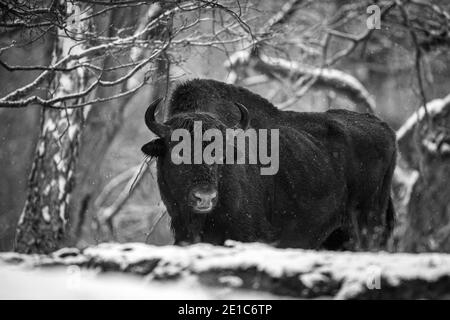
(332, 189)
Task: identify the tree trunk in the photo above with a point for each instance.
(19, 130)
(422, 180)
(42, 225)
(106, 120)
(101, 127)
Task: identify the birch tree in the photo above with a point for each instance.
(42, 224)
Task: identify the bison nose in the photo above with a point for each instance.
(203, 199)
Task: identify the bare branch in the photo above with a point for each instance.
(354, 39)
(134, 177)
(418, 58)
(323, 77)
(83, 59)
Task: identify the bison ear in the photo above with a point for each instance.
(154, 148)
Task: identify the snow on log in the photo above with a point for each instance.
(252, 270)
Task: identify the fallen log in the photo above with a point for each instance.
(256, 269)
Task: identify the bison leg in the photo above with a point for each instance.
(372, 216)
(373, 222)
(369, 224)
(337, 240)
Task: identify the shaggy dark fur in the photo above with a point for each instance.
(332, 189)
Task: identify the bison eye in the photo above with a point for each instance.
(154, 148)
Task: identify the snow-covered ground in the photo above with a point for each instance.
(202, 271)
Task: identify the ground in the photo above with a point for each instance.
(202, 271)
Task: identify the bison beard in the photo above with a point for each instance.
(332, 189)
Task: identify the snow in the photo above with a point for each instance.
(72, 282)
(338, 78)
(232, 281)
(62, 213)
(49, 126)
(46, 214)
(445, 148)
(86, 111)
(237, 58)
(153, 10)
(47, 190)
(311, 266)
(66, 83)
(433, 107)
(22, 215)
(41, 148)
(72, 131)
(63, 284)
(61, 186)
(57, 159)
(260, 267)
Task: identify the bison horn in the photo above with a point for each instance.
(161, 130)
(245, 119)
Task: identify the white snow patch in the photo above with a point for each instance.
(61, 165)
(132, 83)
(49, 125)
(62, 283)
(61, 186)
(445, 148)
(47, 190)
(66, 83)
(57, 158)
(237, 58)
(53, 183)
(153, 10)
(46, 214)
(72, 131)
(63, 123)
(62, 213)
(41, 148)
(22, 215)
(86, 111)
(232, 281)
(433, 107)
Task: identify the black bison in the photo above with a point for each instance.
(332, 189)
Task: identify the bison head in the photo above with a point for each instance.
(187, 189)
